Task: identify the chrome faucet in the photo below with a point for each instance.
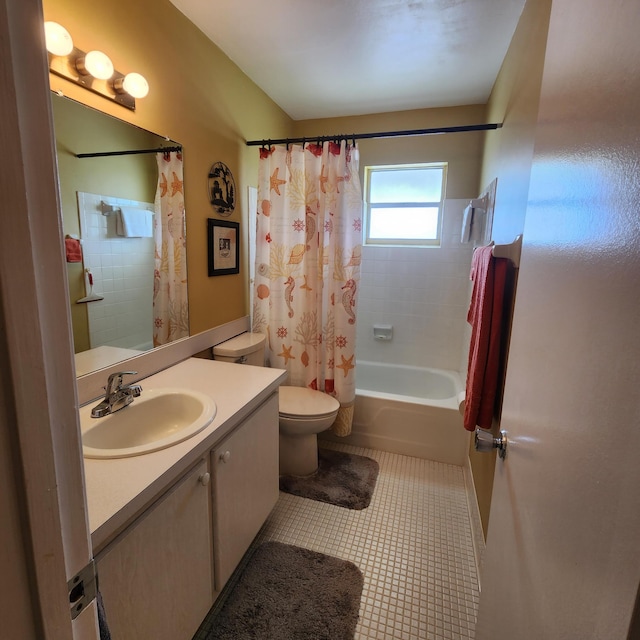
(117, 396)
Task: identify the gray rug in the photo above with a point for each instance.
(290, 593)
(344, 479)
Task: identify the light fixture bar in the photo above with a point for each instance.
(65, 67)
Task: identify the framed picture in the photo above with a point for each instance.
(223, 243)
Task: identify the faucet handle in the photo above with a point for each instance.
(114, 382)
(134, 390)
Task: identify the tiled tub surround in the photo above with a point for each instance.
(122, 271)
(413, 544)
(423, 292)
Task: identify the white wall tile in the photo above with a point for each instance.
(122, 270)
(423, 292)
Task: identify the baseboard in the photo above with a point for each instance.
(474, 517)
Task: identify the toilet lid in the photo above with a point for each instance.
(302, 402)
(240, 345)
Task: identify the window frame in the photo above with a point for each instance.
(410, 242)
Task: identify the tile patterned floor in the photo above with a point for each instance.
(413, 544)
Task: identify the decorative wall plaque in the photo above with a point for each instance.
(222, 189)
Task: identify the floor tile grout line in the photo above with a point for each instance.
(413, 545)
(403, 481)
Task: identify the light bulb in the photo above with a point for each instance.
(99, 65)
(58, 40)
(135, 85)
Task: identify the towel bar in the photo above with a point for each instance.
(111, 209)
(108, 209)
(510, 251)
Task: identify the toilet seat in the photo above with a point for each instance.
(300, 403)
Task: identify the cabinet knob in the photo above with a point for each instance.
(204, 479)
(225, 457)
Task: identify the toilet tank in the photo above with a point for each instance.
(247, 348)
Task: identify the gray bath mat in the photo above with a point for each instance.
(344, 479)
(290, 593)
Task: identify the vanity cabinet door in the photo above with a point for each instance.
(156, 578)
(245, 486)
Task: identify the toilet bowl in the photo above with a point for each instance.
(303, 413)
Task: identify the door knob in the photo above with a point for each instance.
(485, 441)
(225, 457)
(204, 479)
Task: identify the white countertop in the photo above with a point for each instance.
(118, 490)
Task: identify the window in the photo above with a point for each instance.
(404, 204)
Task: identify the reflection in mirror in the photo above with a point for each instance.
(122, 301)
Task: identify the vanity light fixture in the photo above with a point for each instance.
(59, 42)
(97, 64)
(134, 84)
(92, 70)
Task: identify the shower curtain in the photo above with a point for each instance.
(309, 241)
(170, 306)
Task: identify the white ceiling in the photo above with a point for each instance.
(327, 58)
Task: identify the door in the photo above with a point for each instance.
(562, 558)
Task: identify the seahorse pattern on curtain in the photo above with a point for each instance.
(170, 305)
(308, 254)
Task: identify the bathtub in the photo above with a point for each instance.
(408, 410)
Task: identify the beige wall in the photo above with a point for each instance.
(463, 151)
(514, 101)
(508, 156)
(197, 97)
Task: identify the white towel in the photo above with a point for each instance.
(134, 223)
(467, 224)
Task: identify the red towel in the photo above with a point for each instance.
(485, 317)
(73, 249)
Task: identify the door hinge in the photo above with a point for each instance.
(82, 589)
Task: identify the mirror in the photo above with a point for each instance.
(111, 278)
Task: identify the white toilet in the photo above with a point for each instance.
(304, 413)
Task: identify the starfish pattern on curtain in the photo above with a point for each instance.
(308, 254)
(170, 304)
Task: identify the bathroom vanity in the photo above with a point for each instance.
(168, 528)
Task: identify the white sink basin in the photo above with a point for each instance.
(158, 419)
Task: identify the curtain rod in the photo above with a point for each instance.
(383, 134)
(127, 153)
